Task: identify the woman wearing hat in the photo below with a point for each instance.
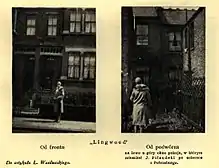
(141, 100)
(58, 98)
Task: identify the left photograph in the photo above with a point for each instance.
(53, 70)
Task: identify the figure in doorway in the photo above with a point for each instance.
(58, 98)
(142, 104)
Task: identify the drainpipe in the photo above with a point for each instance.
(189, 54)
(134, 21)
(186, 35)
(14, 24)
(15, 20)
(188, 41)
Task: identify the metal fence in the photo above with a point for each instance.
(71, 99)
(193, 99)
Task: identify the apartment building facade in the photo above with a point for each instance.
(51, 44)
(157, 55)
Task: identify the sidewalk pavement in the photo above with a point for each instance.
(48, 125)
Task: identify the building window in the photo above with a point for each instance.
(52, 26)
(74, 66)
(75, 21)
(142, 34)
(174, 41)
(89, 66)
(31, 26)
(85, 71)
(173, 75)
(90, 21)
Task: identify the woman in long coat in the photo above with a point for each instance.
(142, 103)
(58, 98)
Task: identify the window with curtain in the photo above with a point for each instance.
(142, 34)
(52, 25)
(31, 26)
(74, 66)
(76, 21)
(89, 66)
(90, 21)
(174, 41)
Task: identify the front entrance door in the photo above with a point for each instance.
(151, 76)
(50, 71)
(28, 73)
(143, 73)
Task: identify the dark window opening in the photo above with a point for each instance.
(174, 41)
(142, 34)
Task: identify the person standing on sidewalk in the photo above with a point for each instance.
(142, 103)
(58, 101)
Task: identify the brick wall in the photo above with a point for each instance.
(198, 53)
(193, 84)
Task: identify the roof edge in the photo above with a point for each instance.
(194, 15)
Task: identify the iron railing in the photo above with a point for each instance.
(192, 99)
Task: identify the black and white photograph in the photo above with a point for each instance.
(53, 70)
(163, 69)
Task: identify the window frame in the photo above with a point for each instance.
(142, 35)
(180, 41)
(91, 22)
(75, 21)
(90, 55)
(81, 66)
(52, 25)
(74, 54)
(30, 17)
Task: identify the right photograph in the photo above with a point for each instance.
(163, 69)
